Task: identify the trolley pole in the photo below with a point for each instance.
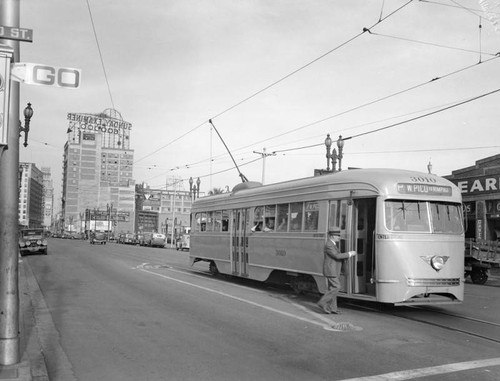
(9, 199)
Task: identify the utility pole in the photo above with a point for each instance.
(264, 155)
(9, 199)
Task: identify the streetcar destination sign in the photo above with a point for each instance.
(435, 190)
(19, 34)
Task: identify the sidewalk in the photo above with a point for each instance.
(32, 365)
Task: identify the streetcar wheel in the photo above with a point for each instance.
(213, 268)
(479, 276)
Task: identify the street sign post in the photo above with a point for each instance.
(19, 34)
(6, 53)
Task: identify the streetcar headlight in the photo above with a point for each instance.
(437, 262)
(28, 243)
(39, 242)
(22, 244)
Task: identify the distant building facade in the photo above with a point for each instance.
(480, 187)
(48, 199)
(98, 189)
(31, 199)
(162, 210)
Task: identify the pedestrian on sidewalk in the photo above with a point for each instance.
(332, 266)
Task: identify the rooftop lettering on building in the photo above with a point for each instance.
(98, 123)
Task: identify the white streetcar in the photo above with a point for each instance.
(406, 228)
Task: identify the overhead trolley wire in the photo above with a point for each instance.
(432, 44)
(253, 95)
(100, 55)
(400, 123)
(373, 101)
(311, 62)
(345, 112)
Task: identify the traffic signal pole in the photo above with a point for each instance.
(9, 199)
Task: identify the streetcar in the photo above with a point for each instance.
(405, 227)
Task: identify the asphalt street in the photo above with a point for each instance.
(120, 312)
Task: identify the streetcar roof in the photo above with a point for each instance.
(354, 182)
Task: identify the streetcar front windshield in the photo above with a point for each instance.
(423, 216)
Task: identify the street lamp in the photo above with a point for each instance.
(333, 155)
(194, 189)
(340, 145)
(28, 113)
(328, 144)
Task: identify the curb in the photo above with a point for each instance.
(32, 365)
(33, 356)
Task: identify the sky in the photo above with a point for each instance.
(273, 75)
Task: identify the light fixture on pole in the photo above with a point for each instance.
(332, 154)
(328, 144)
(28, 113)
(340, 145)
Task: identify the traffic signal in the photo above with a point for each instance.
(6, 54)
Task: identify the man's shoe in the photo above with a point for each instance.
(323, 307)
(336, 312)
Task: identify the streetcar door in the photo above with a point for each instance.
(363, 224)
(239, 250)
(340, 219)
(356, 221)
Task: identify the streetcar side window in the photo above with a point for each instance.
(296, 217)
(333, 219)
(258, 216)
(269, 218)
(446, 218)
(282, 218)
(311, 216)
(343, 216)
(217, 221)
(201, 222)
(210, 222)
(225, 220)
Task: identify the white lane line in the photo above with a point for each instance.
(431, 371)
(327, 326)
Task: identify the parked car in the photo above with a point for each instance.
(157, 240)
(98, 238)
(182, 243)
(32, 240)
(146, 239)
(138, 238)
(77, 236)
(128, 238)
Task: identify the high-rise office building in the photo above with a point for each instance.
(30, 196)
(98, 189)
(48, 198)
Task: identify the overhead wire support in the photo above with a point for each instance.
(242, 176)
(264, 154)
